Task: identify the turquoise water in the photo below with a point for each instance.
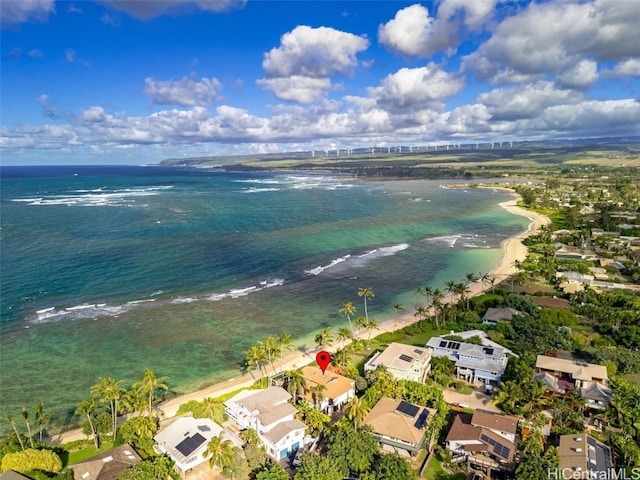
(109, 270)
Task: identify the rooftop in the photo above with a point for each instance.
(335, 384)
(399, 419)
(580, 452)
(106, 465)
(578, 370)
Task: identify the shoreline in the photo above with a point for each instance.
(513, 249)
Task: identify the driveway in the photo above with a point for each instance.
(477, 399)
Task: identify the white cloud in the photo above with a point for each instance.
(300, 68)
(526, 101)
(415, 88)
(476, 12)
(70, 55)
(630, 68)
(414, 33)
(559, 38)
(18, 11)
(314, 52)
(145, 9)
(186, 91)
(297, 88)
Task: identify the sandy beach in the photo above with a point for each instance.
(513, 249)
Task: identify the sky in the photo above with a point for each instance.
(138, 81)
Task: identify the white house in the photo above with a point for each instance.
(404, 362)
(271, 415)
(186, 441)
(475, 363)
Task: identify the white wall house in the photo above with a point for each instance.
(186, 441)
(404, 362)
(474, 363)
(271, 415)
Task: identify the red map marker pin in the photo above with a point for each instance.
(323, 359)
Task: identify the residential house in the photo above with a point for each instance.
(271, 415)
(583, 457)
(501, 314)
(106, 465)
(562, 375)
(474, 363)
(485, 438)
(185, 441)
(404, 362)
(399, 426)
(337, 391)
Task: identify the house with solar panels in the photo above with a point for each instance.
(474, 363)
(582, 456)
(485, 438)
(404, 362)
(271, 415)
(399, 426)
(185, 441)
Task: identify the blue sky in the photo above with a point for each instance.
(137, 81)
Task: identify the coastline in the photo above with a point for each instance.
(513, 249)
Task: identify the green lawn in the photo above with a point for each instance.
(80, 455)
(435, 471)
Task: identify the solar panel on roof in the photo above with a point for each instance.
(422, 419)
(190, 444)
(419, 352)
(204, 428)
(406, 358)
(488, 351)
(443, 344)
(407, 409)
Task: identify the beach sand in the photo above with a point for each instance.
(513, 250)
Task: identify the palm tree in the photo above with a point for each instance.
(451, 288)
(324, 337)
(220, 451)
(42, 419)
(110, 391)
(397, 307)
(367, 294)
(285, 343)
(270, 346)
(348, 309)
(15, 429)
(255, 357)
(371, 326)
(356, 411)
(24, 413)
(361, 322)
(135, 400)
(437, 304)
(343, 335)
(88, 407)
(209, 407)
(296, 383)
(150, 383)
(428, 293)
(317, 393)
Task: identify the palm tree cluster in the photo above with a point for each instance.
(111, 394)
(41, 420)
(263, 354)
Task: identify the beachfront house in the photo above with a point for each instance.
(271, 415)
(399, 426)
(404, 362)
(474, 363)
(185, 441)
(337, 390)
(485, 438)
(106, 465)
(495, 315)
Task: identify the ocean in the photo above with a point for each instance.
(108, 270)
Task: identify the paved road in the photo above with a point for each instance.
(475, 400)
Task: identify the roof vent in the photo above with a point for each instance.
(107, 459)
(578, 439)
(578, 450)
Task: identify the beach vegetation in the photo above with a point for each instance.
(110, 391)
(32, 459)
(138, 432)
(208, 407)
(150, 384)
(323, 337)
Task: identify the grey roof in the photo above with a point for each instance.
(486, 365)
(283, 429)
(272, 413)
(503, 313)
(597, 392)
(262, 399)
(106, 465)
(11, 475)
